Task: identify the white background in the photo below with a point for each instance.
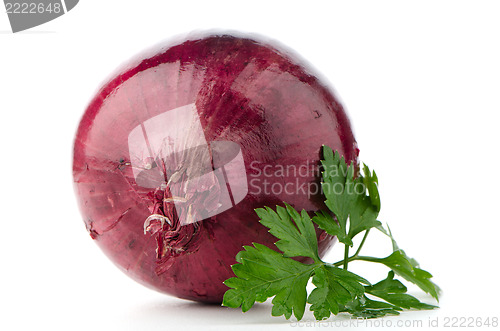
(420, 80)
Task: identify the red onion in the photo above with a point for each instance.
(176, 151)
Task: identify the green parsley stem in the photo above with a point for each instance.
(356, 256)
(362, 242)
(346, 256)
(367, 258)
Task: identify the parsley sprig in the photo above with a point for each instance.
(353, 201)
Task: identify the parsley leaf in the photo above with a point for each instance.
(407, 268)
(393, 292)
(297, 238)
(353, 203)
(362, 217)
(326, 222)
(366, 308)
(371, 183)
(347, 198)
(334, 287)
(338, 186)
(263, 273)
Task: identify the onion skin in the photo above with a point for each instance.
(245, 91)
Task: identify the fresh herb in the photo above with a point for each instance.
(354, 203)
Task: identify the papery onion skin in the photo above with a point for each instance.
(245, 90)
